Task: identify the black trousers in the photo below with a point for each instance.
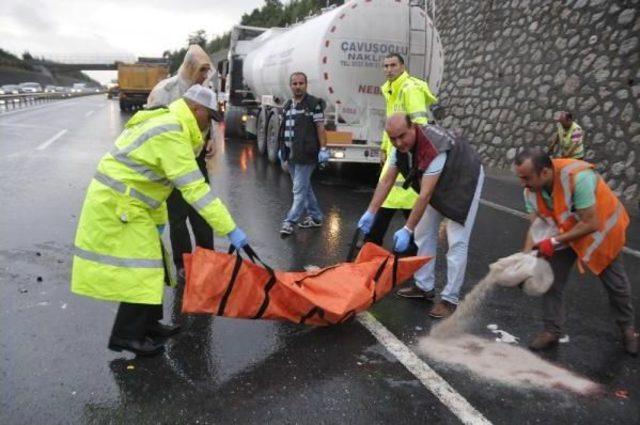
(615, 281)
(133, 320)
(179, 212)
(381, 224)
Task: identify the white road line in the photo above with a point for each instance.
(51, 140)
(88, 114)
(455, 402)
(502, 208)
(626, 250)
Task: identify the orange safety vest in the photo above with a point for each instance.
(598, 249)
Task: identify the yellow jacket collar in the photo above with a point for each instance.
(181, 110)
(394, 85)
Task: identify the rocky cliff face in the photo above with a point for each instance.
(511, 64)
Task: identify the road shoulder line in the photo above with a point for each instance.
(448, 396)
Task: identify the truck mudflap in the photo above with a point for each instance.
(354, 153)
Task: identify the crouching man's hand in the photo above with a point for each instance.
(546, 248)
(366, 222)
(401, 239)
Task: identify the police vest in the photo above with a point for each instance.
(567, 143)
(412, 96)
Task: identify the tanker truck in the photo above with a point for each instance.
(341, 51)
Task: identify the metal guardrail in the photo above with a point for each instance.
(10, 102)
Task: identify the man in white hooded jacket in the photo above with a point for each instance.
(196, 68)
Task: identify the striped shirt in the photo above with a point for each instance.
(317, 115)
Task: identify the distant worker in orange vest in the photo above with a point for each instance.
(591, 224)
(568, 138)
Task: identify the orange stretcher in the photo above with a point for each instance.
(225, 284)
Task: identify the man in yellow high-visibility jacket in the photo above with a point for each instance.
(402, 93)
(568, 139)
(118, 255)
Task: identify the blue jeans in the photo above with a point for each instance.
(304, 200)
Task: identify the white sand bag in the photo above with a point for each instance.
(543, 229)
(541, 280)
(524, 268)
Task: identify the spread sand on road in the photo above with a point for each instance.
(512, 365)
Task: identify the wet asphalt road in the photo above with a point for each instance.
(56, 368)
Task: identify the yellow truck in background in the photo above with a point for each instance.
(137, 80)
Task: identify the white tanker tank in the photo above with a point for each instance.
(341, 51)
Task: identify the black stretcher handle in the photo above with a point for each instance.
(354, 248)
(253, 256)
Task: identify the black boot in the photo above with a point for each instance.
(161, 330)
(145, 347)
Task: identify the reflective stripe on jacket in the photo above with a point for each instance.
(412, 96)
(598, 249)
(117, 253)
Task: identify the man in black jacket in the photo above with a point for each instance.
(447, 174)
(303, 141)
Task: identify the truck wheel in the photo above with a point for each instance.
(261, 131)
(272, 137)
(233, 125)
(123, 105)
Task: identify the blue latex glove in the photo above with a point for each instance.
(238, 238)
(323, 155)
(366, 222)
(401, 240)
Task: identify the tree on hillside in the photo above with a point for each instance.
(219, 43)
(199, 37)
(273, 14)
(268, 15)
(175, 59)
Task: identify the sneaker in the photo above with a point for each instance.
(309, 222)
(543, 341)
(442, 310)
(286, 229)
(412, 291)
